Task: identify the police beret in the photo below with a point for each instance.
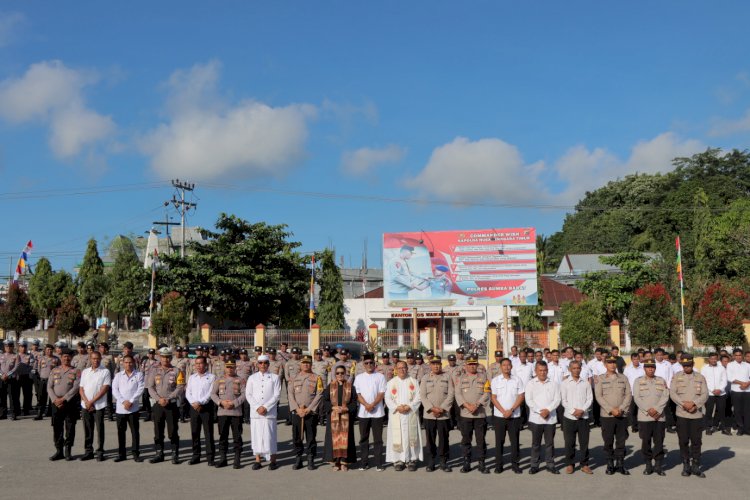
(395, 353)
(243, 351)
(460, 350)
(385, 354)
(212, 347)
(498, 354)
(451, 357)
(129, 345)
(258, 348)
(318, 351)
(270, 350)
(409, 354)
(343, 351)
(152, 351)
(436, 359)
(419, 356)
(429, 353)
(306, 359)
(368, 355)
(472, 360)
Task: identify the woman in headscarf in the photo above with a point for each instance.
(339, 409)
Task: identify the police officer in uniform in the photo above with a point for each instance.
(344, 361)
(650, 394)
(45, 365)
(275, 366)
(494, 369)
(9, 365)
(385, 367)
(228, 394)
(305, 392)
(472, 391)
(244, 370)
(613, 393)
(182, 363)
(25, 382)
(460, 361)
(217, 364)
(36, 353)
(62, 389)
(292, 367)
(81, 360)
(689, 392)
(400, 277)
(149, 364)
(166, 386)
(437, 395)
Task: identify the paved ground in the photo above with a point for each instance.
(25, 446)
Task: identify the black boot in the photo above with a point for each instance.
(298, 464)
(58, 455)
(467, 465)
(696, 470)
(159, 455)
(482, 468)
(685, 468)
(237, 457)
(68, 453)
(222, 460)
(621, 467)
(445, 467)
(649, 468)
(659, 469)
(210, 460)
(310, 462)
(610, 467)
(175, 454)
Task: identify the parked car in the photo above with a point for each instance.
(355, 348)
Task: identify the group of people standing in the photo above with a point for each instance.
(540, 390)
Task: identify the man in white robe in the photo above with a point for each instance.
(263, 391)
(404, 443)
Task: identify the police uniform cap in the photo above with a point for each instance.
(326, 347)
(258, 348)
(212, 347)
(611, 359)
(165, 351)
(429, 353)
(460, 350)
(368, 356)
(419, 356)
(451, 357)
(409, 354)
(296, 350)
(385, 355)
(23, 343)
(243, 351)
(395, 353)
(230, 363)
(270, 350)
(498, 354)
(162, 345)
(226, 352)
(306, 359)
(472, 360)
(649, 363)
(318, 351)
(436, 359)
(343, 350)
(152, 351)
(36, 342)
(687, 359)
(128, 344)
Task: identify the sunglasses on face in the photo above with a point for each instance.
(263, 362)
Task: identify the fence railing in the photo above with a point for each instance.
(295, 338)
(390, 339)
(333, 336)
(238, 338)
(535, 340)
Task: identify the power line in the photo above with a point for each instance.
(77, 191)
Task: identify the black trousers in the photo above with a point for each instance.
(91, 420)
(26, 387)
(125, 420)
(690, 437)
(169, 416)
(146, 403)
(669, 413)
(596, 413)
(614, 434)
(652, 439)
(9, 389)
(203, 419)
(511, 427)
(226, 423)
(307, 428)
(573, 429)
(633, 415)
(741, 406)
(42, 396)
(365, 426)
(437, 434)
(64, 423)
(539, 431)
(476, 427)
(716, 407)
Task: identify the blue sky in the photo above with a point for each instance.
(489, 111)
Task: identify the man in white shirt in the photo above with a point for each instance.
(95, 383)
(566, 357)
(263, 391)
(716, 405)
(556, 373)
(585, 370)
(515, 358)
(370, 387)
(738, 374)
(543, 398)
(576, 399)
(404, 440)
(507, 399)
(198, 395)
(633, 371)
(524, 371)
(127, 389)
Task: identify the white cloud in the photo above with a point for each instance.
(465, 170)
(9, 23)
(729, 127)
(51, 93)
(470, 171)
(206, 138)
(363, 160)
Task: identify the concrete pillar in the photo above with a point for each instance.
(614, 332)
(372, 334)
(492, 344)
(206, 333)
(314, 338)
(432, 336)
(152, 341)
(260, 336)
(454, 332)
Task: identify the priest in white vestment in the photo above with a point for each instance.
(263, 391)
(404, 441)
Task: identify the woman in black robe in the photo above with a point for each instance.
(339, 409)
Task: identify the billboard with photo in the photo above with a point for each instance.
(460, 268)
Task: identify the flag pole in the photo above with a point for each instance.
(682, 286)
(312, 292)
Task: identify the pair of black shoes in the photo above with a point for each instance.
(122, 458)
(271, 466)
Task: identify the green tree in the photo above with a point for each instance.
(331, 306)
(91, 282)
(171, 323)
(245, 272)
(69, 318)
(17, 313)
(129, 281)
(718, 319)
(652, 322)
(583, 325)
(47, 289)
(615, 290)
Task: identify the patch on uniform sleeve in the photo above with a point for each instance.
(180, 378)
(487, 387)
(320, 384)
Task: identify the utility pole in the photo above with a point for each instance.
(182, 207)
(166, 222)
